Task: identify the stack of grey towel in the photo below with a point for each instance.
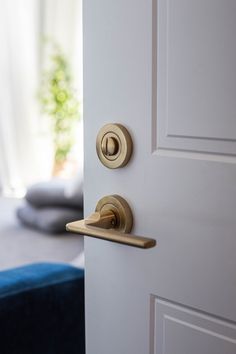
(50, 205)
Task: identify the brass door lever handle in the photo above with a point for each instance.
(112, 221)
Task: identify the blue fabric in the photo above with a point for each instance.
(42, 310)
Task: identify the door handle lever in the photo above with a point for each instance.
(112, 221)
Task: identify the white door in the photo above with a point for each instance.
(165, 69)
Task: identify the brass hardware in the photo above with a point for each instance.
(103, 219)
(112, 221)
(114, 145)
(121, 210)
(110, 146)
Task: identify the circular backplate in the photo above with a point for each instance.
(121, 209)
(121, 137)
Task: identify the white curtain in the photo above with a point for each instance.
(19, 69)
(25, 149)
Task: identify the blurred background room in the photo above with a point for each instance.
(41, 130)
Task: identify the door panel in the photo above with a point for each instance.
(149, 66)
(195, 76)
(178, 329)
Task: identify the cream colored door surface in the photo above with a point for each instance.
(165, 69)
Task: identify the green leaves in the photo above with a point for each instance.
(58, 100)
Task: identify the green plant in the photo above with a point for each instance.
(58, 100)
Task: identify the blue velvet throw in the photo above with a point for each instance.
(42, 310)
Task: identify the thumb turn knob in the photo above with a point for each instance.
(110, 146)
(114, 145)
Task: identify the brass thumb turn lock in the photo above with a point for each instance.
(114, 145)
(112, 221)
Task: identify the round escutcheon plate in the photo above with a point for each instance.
(114, 145)
(121, 209)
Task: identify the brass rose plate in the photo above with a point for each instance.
(114, 145)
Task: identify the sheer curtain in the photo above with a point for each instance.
(25, 148)
(19, 68)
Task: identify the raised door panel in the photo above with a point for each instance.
(195, 77)
(178, 329)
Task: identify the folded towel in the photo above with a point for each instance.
(49, 219)
(55, 193)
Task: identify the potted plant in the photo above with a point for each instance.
(58, 100)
